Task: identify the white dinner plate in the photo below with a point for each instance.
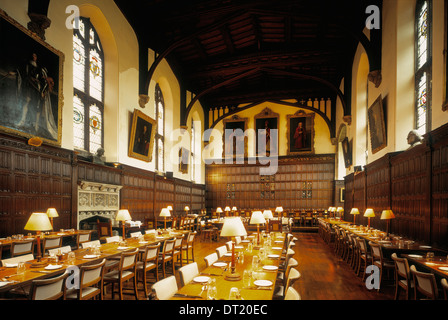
(239, 247)
(278, 241)
(91, 256)
(443, 268)
(220, 264)
(263, 283)
(10, 265)
(4, 283)
(425, 247)
(228, 254)
(201, 279)
(277, 248)
(415, 256)
(53, 267)
(122, 248)
(245, 241)
(273, 256)
(143, 242)
(270, 268)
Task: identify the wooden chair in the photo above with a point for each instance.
(174, 223)
(188, 247)
(166, 255)
(292, 294)
(403, 277)
(164, 289)
(136, 234)
(49, 243)
(290, 276)
(210, 259)
(220, 251)
(48, 289)
(177, 251)
(147, 263)
(15, 260)
(364, 258)
(90, 244)
(379, 260)
(188, 272)
(19, 248)
(424, 284)
(64, 249)
(104, 229)
(275, 225)
(82, 237)
(444, 284)
(125, 272)
(112, 239)
(90, 283)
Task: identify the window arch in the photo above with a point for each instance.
(193, 151)
(159, 110)
(423, 65)
(88, 83)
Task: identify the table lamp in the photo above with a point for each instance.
(387, 215)
(170, 208)
(38, 222)
(233, 227)
(257, 218)
(187, 208)
(227, 210)
(123, 216)
(279, 210)
(340, 210)
(369, 213)
(219, 211)
(267, 214)
(52, 213)
(165, 213)
(234, 210)
(354, 212)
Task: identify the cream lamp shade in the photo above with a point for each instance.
(257, 218)
(165, 212)
(387, 214)
(233, 227)
(227, 208)
(123, 215)
(170, 208)
(234, 209)
(219, 210)
(52, 213)
(279, 209)
(354, 211)
(267, 214)
(369, 213)
(187, 208)
(340, 209)
(38, 221)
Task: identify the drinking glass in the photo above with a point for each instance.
(234, 293)
(21, 268)
(241, 257)
(250, 247)
(255, 262)
(430, 256)
(246, 278)
(71, 257)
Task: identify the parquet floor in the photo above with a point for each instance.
(324, 276)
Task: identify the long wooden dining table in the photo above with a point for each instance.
(9, 279)
(267, 270)
(437, 264)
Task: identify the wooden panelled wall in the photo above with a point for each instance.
(36, 178)
(301, 182)
(413, 183)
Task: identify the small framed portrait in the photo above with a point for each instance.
(347, 152)
(234, 137)
(184, 157)
(143, 132)
(31, 74)
(300, 133)
(264, 123)
(377, 125)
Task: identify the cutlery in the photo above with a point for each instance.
(258, 288)
(211, 274)
(187, 296)
(41, 271)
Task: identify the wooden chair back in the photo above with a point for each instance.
(51, 243)
(104, 229)
(210, 259)
(91, 276)
(444, 284)
(188, 272)
(424, 284)
(165, 288)
(82, 237)
(19, 248)
(49, 289)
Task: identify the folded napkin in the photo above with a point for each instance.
(10, 265)
(4, 283)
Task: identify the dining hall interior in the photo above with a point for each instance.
(223, 150)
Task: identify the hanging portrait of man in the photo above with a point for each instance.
(300, 133)
(143, 132)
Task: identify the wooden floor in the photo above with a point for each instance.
(324, 276)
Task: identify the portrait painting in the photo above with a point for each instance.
(143, 130)
(264, 123)
(184, 157)
(347, 152)
(30, 84)
(234, 139)
(300, 133)
(377, 125)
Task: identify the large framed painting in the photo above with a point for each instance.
(266, 121)
(184, 157)
(347, 152)
(234, 138)
(300, 133)
(377, 125)
(30, 84)
(143, 131)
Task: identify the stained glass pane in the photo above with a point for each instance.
(422, 104)
(92, 36)
(422, 36)
(78, 64)
(78, 123)
(95, 128)
(96, 79)
(160, 154)
(193, 150)
(160, 118)
(82, 28)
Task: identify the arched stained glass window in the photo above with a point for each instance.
(193, 151)
(88, 83)
(159, 110)
(423, 65)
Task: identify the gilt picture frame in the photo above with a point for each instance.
(300, 133)
(377, 125)
(31, 76)
(184, 157)
(236, 126)
(143, 131)
(266, 121)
